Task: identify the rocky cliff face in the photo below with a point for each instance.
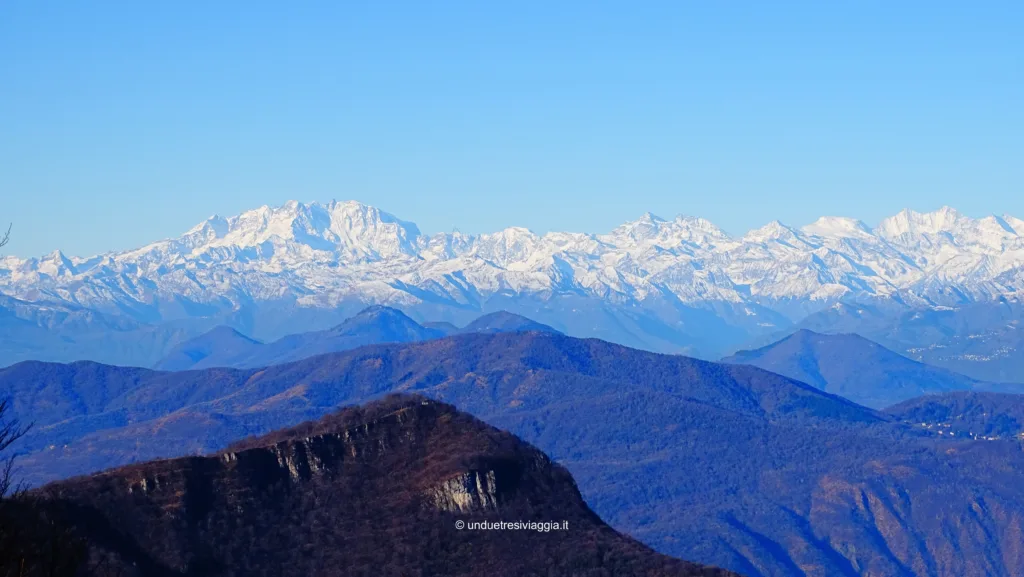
(368, 491)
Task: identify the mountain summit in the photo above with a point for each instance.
(727, 465)
(505, 322)
(679, 285)
(226, 347)
(391, 488)
(352, 230)
(856, 368)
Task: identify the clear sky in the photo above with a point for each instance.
(127, 122)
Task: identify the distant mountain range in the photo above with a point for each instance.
(680, 285)
(226, 347)
(727, 465)
(374, 490)
(858, 369)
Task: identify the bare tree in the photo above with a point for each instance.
(34, 537)
(10, 431)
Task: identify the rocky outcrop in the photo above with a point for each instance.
(377, 490)
(465, 492)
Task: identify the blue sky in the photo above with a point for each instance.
(126, 122)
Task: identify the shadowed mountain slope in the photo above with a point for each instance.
(504, 322)
(224, 347)
(856, 368)
(374, 490)
(210, 349)
(981, 340)
(727, 465)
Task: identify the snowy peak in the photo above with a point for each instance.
(1015, 224)
(507, 247)
(653, 230)
(56, 265)
(838, 227)
(773, 231)
(328, 255)
(351, 229)
(644, 228)
(207, 231)
(695, 228)
(946, 226)
(909, 222)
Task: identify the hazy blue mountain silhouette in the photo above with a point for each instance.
(980, 340)
(443, 326)
(723, 464)
(210, 349)
(226, 347)
(856, 368)
(504, 322)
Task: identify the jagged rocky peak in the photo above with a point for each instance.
(57, 265)
(347, 227)
(645, 227)
(207, 231)
(358, 219)
(908, 223)
(329, 255)
(911, 222)
(948, 226)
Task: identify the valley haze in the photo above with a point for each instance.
(476, 326)
(681, 285)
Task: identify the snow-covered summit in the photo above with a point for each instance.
(838, 227)
(353, 230)
(909, 222)
(323, 254)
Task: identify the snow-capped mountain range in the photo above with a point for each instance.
(323, 257)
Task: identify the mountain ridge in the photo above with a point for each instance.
(679, 285)
(728, 465)
(379, 489)
(377, 324)
(858, 368)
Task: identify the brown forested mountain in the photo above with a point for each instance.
(377, 490)
(727, 465)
